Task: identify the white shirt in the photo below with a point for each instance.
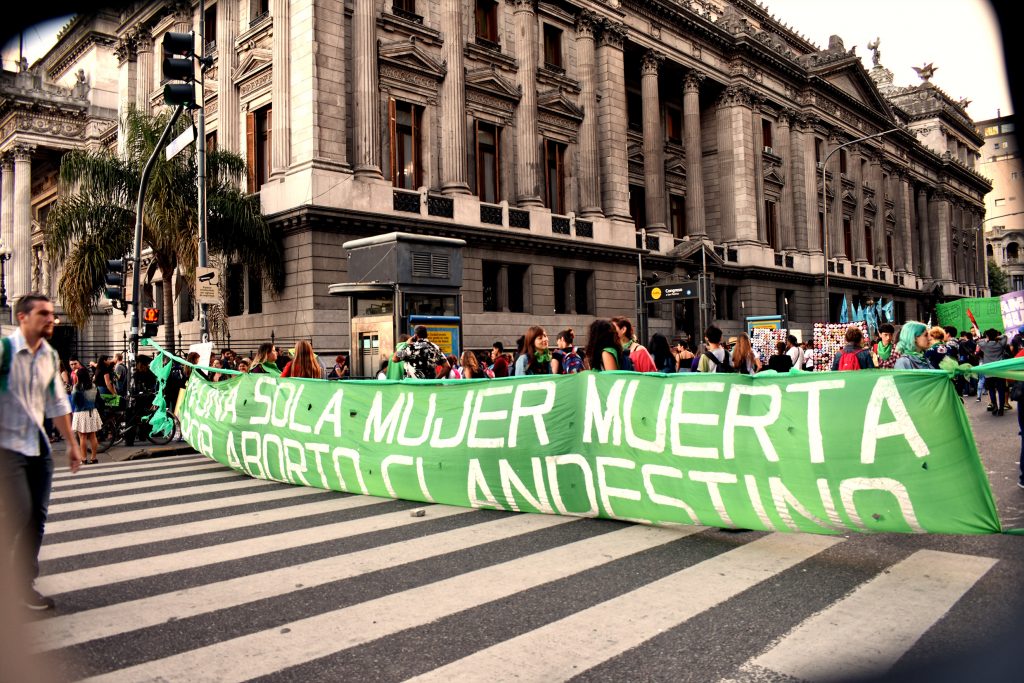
(809, 358)
(796, 355)
(28, 398)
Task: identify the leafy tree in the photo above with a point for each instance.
(94, 218)
(997, 281)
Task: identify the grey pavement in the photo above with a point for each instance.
(120, 452)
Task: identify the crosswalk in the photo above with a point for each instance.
(178, 569)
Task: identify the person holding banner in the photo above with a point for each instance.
(914, 341)
(603, 349)
(536, 356)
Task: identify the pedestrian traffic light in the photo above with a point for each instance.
(114, 279)
(150, 322)
(179, 52)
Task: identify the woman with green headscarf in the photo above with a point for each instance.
(914, 341)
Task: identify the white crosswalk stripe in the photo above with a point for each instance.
(282, 580)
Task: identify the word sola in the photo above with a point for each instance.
(861, 451)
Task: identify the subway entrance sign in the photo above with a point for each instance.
(688, 289)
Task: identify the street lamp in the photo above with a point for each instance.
(5, 256)
(824, 202)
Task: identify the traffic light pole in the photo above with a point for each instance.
(204, 321)
(133, 338)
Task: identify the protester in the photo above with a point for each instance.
(914, 341)
(382, 371)
(603, 348)
(193, 358)
(396, 368)
(340, 369)
(684, 356)
(85, 419)
(243, 365)
(103, 377)
(266, 357)
(853, 356)
(32, 391)
(423, 356)
(968, 354)
(662, 355)
(470, 366)
(781, 361)
(809, 354)
(993, 349)
(536, 356)
(283, 358)
(793, 350)
(120, 375)
(455, 368)
(1018, 396)
(634, 356)
(937, 351)
(715, 357)
(566, 360)
(499, 366)
(884, 351)
(743, 358)
(217, 364)
(519, 352)
(304, 365)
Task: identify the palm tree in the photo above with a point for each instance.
(94, 218)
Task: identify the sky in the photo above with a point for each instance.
(960, 37)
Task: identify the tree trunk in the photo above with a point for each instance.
(167, 272)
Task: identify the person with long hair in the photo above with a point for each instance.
(470, 366)
(85, 419)
(913, 342)
(662, 354)
(266, 355)
(565, 360)
(304, 364)
(603, 347)
(536, 356)
(639, 358)
(743, 357)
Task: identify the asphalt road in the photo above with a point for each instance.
(176, 568)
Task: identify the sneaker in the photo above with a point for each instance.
(978, 399)
(36, 601)
(1008, 407)
(991, 407)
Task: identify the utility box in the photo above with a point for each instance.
(406, 259)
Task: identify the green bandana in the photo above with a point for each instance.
(542, 356)
(884, 352)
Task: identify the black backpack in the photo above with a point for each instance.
(720, 365)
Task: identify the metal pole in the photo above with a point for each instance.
(640, 304)
(824, 204)
(137, 256)
(204, 322)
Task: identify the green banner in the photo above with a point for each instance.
(986, 311)
(814, 452)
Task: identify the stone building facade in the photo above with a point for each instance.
(1004, 206)
(546, 134)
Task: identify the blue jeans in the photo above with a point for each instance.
(24, 501)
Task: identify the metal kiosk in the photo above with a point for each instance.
(397, 281)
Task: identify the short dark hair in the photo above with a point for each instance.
(145, 360)
(854, 335)
(887, 328)
(498, 345)
(27, 303)
(421, 331)
(713, 334)
(950, 330)
(791, 338)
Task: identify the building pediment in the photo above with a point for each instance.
(487, 79)
(675, 164)
(772, 176)
(256, 60)
(407, 55)
(556, 103)
(635, 152)
(890, 217)
(869, 205)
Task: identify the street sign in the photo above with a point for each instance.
(207, 286)
(181, 142)
(671, 292)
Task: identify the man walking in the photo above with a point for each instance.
(794, 351)
(30, 391)
(424, 356)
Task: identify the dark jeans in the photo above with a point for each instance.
(996, 387)
(24, 500)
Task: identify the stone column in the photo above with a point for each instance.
(126, 84)
(834, 216)
(803, 149)
(924, 236)
(19, 277)
(280, 94)
(981, 275)
(881, 229)
(758, 158)
(904, 234)
(502, 288)
(942, 243)
(612, 122)
(736, 166)
(528, 163)
(696, 224)
(453, 102)
(786, 212)
(229, 137)
(6, 200)
(183, 17)
(590, 179)
(859, 219)
(144, 69)
(654, 143)
(366, 139)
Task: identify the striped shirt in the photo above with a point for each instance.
(28, 398)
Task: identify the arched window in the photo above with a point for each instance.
(1012, 252)
(988, 250)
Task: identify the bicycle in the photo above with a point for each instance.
(118, 421)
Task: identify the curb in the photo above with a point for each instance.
(161, 451)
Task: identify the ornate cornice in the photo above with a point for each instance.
(143, 39)
(613, 33)
(587, 24)
(735, 95)
(523, 5)
(692, 81)
(651, 62)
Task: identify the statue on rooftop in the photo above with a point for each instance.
(876, 54)
(926, 71)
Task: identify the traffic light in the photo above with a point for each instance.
(150, 322)
(179, 52)
(114, 279)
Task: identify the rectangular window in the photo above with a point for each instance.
(404, 8)
(677, 215)
(638, 205)
(1007, 128)
(255, 291)
(210, 26)
(634, 110)
(771, 224)
(584, 291)
(211, 142)
(554, 176)
(674, 124)
(1000, 202)
(784, 300)
(818, 149)
(954, 257)
(258, 136)
(848, 238)
(766, 133)
(564, 292)
(235, 289)
(725, 308)
(821, 231)
(518, 285)
(869, 244)
(553, 47)
(186, 306)
(888, 250)
(490, 272)
(488, 162)
(404, 127)
(487, 21)
(842, 161)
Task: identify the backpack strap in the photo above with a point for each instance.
(713, 357)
